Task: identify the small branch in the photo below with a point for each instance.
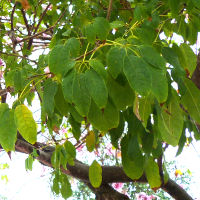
(46, 30)
(160, 165)
(12, 16)
(26, 21)
(41, 18)
(16, 55)
(89, 52)
(109, 10)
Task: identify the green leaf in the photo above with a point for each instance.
(50, 89)
(170, 121)
(104, 119)
(122, 95)
(116, 133)
(80, 95)
(97, 88)
(29, 163)
(56, 157)
(138, 74)
(90, 33)
(26, 124)
(76, 127)
(8, 130)
(191, 100)
(133, 151)
(171, 57)
(115, 61)
(65, 189)
(181, 143)
(133, 169)
(102, 27)
(67, 85)
(56, 186)
(159, 85)
(95, 174)
(196, 3)
(174, 6)
(145, 108)
(152, 173)
(59, 60)
(90, 141)
(73, 46)
(70, 149)
(60, 103)
(187, 57)
(99, 68)
(116, 24)
(151, 56)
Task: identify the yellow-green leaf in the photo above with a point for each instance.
(26, 124)
(95, 174)
(90, 141)
(152, 173)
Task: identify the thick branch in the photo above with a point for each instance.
(110, 174)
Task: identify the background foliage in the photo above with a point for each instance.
(106, 68)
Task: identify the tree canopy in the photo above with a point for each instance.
(100, 68)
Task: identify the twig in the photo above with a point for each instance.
(48, 29)
(88, 53)
(109, 9)
(16, 55)
(26, 21)
(160, 165)
(41, 18)
(11, 18)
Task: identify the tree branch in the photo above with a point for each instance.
(110, 174)
(16, 55)
(46, 30)
(109, 10)
(41, 18)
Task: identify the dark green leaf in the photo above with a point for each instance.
(133, 169)
(170, 121)
(97, 88)
(138, 74)
(67, 85)
(59, 60)
(102, 27)
(60, 103)
(191, 100)
(104, 119)
(50, 89)
(80, 94)
(151, 56)
(115, 61)
(122, 95)
(73, 46)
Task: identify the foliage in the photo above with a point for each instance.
(104, 68)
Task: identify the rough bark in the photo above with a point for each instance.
(110, 174)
